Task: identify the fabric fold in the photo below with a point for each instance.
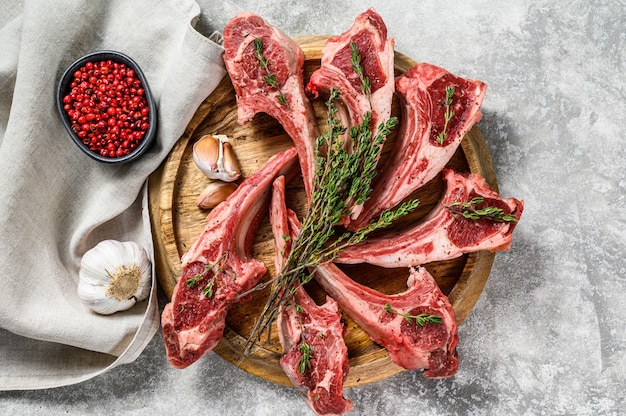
(58, 203)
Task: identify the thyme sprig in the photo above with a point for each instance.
(217, 268)
(341, 179)
(447, 116)
(305, 361)
(468, 210)
(357, 66)
(193, 280)
(420, 320)
(208, 289)
(307, 352)
(270, 79)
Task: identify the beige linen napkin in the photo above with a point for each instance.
(56, 203)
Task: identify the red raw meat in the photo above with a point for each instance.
(411, 346)
(431, 347)
(318, 327)
(417, 156)
(369, 33)
(219, 260)
(254, 94)
(441, 235)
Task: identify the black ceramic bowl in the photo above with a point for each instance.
(64, 88)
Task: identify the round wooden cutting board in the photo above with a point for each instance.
(177, 222)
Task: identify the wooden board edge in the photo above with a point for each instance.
(474, 144)
(468, 288)
(265, 363)
(161, 205)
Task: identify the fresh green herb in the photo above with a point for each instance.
(468, 210)
(217, 268)
(208, 289)
(270, 79)
(447, 116)
(420, 320)
(342, 179)
(305, 360)
(193, 281)
(357, 65)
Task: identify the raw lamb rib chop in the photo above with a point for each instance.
(369, 33)
(254, 94)
(418, 155)
(308, 327)
(430, 346)
(442, 235)
(219, 266)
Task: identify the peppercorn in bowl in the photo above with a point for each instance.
(106, 106)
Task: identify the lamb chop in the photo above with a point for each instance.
(446, 233)
(426, 142)
(369, 34)
(266, 69)
(417, 327)
(219, 266)
(315, 355)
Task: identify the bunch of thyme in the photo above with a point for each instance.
(342, 178)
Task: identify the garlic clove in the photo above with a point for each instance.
(215, 193)
(114, 276)
(206, 153)
(215, 157)
(230, 160)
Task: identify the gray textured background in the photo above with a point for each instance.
(548, 334)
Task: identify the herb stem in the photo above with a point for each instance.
(270, 79)
(420, 320)
(357, 66)
(470, 211)
(447, 116)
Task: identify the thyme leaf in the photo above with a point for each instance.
(420, 320)
(305, 360)
(208, 289)
(269, 79)
(193, 281)
(447, 116)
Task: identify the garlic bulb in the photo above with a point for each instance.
(114, 276)
(215, 157)
(215, 193)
